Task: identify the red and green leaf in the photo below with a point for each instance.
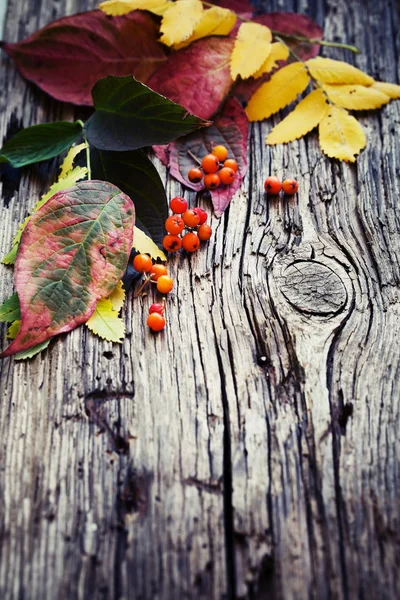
(73, 252)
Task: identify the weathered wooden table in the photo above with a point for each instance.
(251, 451)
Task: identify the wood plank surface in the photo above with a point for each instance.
(251, 451)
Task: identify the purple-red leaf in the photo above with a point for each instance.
(198, 77)
(229, 129)
(73, 252)
(67, 57)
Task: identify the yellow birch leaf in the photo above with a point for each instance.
(68, 162)
(340, 135)
(115, 8)
(179, 21)
(356, 97)
(145, 245)
(307, 115)
(106, 323)
(390, 89)
(13, 329)
(336, 72)
(215, 21)
(117, 297)
(283, 87)
(251, 50)
(278, 52)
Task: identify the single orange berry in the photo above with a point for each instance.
(272, 185)
(220, 152)
(178, 205)
(172, 243)
(211, 181)
(231, 164)
(290, 186)
(174, 225)
(165, 284)
(204, 232)
(195, 175)
(227, 175)
(191, 218)
(202, 214)
(191, 242)
(156, 321)
(157, 270)
(142, 263)
(210, 163)
(157, 307)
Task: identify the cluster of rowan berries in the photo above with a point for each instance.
(158, 274)
(216, 168)
(192, 220)
(273, 185)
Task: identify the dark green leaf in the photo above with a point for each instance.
(135, 175)
(40, 142)
(129, 115)
(9, 310)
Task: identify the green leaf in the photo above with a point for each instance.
(134, 174)
(129, 115)
(40, 142)
(9, 310)
(32, 351)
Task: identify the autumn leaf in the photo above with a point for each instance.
(9, 310)
(67, 57)
(278, 52)
(283, 87)
(106, 323)
(143, 244)
(13, 330)
(68, 162)
(117, 296)
(356, 97)
(336, 72)
(115, 8)
(25, 354)
(179, 21)
(340, 135)
(301, 27)
(251, 50)
(214, 21)
(73, 252)
(197, 77)
(306, 115)
(390, 89)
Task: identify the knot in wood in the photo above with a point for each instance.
(313, 288)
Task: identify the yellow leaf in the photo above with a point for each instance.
(179, 21)
(390, 89)
(251, 50)
(117, 298)
(356, 97)
(106, 323)
(215, 21)
(68, 162)
(280, 90)
(307, 115)
(336, 72)
(13, 329)
(122, 7)
(340, 135)
(278, 52)
(145, 245)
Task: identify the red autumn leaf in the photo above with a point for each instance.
(73, 252)
(67, 57)
(231, 130)
(198, 77)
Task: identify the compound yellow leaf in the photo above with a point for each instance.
(356, 97)
(340, 135)
(215, 21)
(251, 50)
(117, 298)
(115, 8)
(106, 323)
(283, 87)
(336, 72)
(145, 245)
(179, 21)
(390, 89)
(307, 115)
(68, 162)
(278, 52)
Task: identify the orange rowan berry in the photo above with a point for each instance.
(272, 185)
(191, 218)
(231, 164)
(202, 214)
(157, 270)
(204, 232)
(142, 263)
(227, 175)
(290, 186)
(195, 175)
(191, 242)
(165, 284)
(174, 225)
(178, 205)
(210, 163)
(220, 152)
(156, 321)
(172, 243)
(211, 181)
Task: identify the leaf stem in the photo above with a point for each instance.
(89, 173)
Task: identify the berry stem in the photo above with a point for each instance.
(145, 282)
(194, 157)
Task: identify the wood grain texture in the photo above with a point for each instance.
(252, 450)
